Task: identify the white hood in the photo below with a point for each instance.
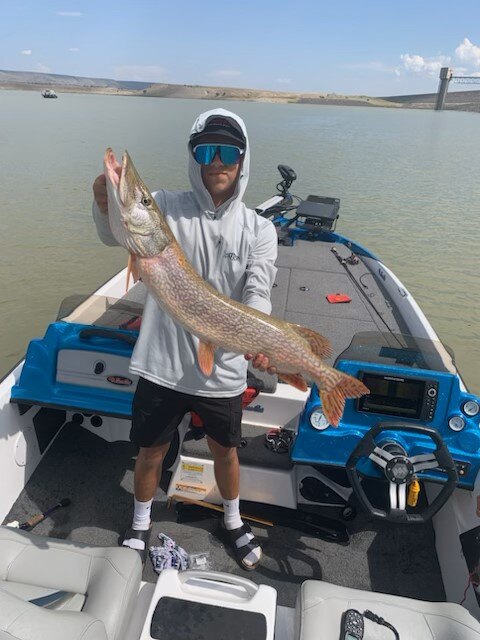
(234, 250)
(200, 192)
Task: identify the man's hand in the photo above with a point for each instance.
(260, 362)
(100, 190)
(100, 193)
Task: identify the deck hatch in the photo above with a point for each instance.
(176, 619)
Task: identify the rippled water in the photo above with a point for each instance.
(408, 182)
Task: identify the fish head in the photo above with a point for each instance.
(135, 218)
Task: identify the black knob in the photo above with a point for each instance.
(99, 368)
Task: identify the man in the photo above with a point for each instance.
(235, 250)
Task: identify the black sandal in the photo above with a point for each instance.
(137, 534)
(232, 535)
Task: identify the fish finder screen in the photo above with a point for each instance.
(392, 395)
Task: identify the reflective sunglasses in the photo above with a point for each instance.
(229, 153)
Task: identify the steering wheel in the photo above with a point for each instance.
(399, 470)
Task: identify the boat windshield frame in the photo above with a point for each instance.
(398, 349)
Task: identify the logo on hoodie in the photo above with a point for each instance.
(231, 256)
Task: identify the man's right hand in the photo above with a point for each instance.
(100, 193)
(100, 189)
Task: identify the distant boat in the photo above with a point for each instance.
(49, 93)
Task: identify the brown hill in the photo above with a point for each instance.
(32, 81)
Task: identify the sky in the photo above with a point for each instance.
(361, 47)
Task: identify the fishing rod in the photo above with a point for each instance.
(39, 517)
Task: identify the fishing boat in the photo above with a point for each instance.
(49, 93)
(369, 530)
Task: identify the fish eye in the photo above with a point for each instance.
(146, 201)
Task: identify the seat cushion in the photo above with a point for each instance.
(320, 606)
(24, 621)
(109, 577)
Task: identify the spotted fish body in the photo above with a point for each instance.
(218, 321)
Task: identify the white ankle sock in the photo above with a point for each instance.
(233, 520)
(141, 515)
(141, 522)
(231, 509)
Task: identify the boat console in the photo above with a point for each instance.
(412, 383)
(79, 367)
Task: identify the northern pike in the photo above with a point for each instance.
(218, 321)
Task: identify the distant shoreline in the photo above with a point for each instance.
(26, 81)
(204, 93)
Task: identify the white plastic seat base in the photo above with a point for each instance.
(214, 588)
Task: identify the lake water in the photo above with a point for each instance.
(408, 182)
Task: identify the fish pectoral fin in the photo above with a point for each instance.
(295, 380)
(132, 269)
(320, 345)
(206, 353)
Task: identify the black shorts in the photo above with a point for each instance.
(157, 411)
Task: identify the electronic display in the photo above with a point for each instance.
(393, 395)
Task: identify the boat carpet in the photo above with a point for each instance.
(97, 476)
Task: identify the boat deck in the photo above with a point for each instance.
(311, 271)
(97, 475)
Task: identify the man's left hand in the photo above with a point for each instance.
(261, 362)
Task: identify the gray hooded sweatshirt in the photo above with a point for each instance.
(231, 247)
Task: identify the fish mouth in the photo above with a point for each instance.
(118, 174)
(123, 189)
(111, 165)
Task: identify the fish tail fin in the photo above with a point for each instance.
(333, 398)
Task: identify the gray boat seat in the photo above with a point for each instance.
(320, 606)
(20, 620)
(99, 584)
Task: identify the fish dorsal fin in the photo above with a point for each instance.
(294, 379)
(318, 344)
(206, 352)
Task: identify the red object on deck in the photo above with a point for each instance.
(133, 324)
(335, 298)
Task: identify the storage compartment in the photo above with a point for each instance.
(79, 367)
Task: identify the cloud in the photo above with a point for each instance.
(139, 73)
(74, 49)
(26, 52)
(69, 14)
(225, 73)
(468, 52)
(423, 66)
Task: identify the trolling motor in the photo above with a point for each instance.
(283, 201)
(303, 218)
(289, 176)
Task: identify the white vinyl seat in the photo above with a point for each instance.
(100, 587)
(320, 606)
